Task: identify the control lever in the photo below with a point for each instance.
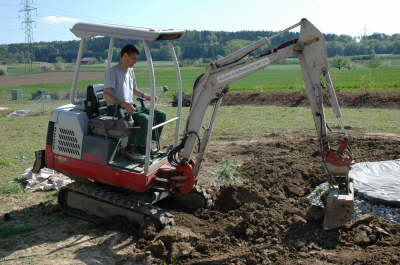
(128, 118)
(141, 100)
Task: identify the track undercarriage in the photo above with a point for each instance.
(98, 202)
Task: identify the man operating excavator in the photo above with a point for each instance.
(120, 86)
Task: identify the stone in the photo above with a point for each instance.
(259, 240)
(179, 250)
(366, 228)
(157, 248)
(278, 196)
(297, 219)
(176, 234)
(381, 231)
(361, 238)
(313, 246)
(365, 219)
(294, 190)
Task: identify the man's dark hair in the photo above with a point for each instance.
(129, 49)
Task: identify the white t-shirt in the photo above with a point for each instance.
(123, 83)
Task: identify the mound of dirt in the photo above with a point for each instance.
(266, 219)
(353, 100)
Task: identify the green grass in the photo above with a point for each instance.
(21, 137)
(227, 171)
(277, 78)
(395, 61)
(21, 69)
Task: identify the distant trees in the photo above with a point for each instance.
(197, 46)
(234, 45)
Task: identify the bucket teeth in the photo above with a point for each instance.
(339, 207)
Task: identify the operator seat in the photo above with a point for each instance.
(95, 104)
(100, 121)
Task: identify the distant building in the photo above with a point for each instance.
(88, 60)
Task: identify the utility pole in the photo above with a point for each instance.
(27, 25)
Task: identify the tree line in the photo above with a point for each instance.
(197, 45)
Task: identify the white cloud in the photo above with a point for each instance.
(57, 20)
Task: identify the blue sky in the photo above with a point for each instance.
(55, 18)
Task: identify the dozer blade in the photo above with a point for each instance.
(96, 202)
(339, 207)
(40, 161)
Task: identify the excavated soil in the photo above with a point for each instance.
(267, 219)
(354, 100)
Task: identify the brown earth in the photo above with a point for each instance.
(262, 219)
(295, 99)
(56, 77)
(267, 219)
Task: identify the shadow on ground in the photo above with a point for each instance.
(43, 234)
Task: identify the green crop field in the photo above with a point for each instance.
(21, 69)
(276, 78)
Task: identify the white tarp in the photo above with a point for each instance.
(378, 181)
(46, 179)
(19, 113)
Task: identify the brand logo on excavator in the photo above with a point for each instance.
(61, 159)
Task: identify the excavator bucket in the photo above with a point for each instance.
(339, 207)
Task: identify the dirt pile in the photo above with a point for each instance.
(266, 220)
(353, 100)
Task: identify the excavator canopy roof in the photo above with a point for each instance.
(87, 30)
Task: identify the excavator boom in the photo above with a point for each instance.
(310, 48)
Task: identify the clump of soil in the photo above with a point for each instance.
(266, 220)
(295, 99)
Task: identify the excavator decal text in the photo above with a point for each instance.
(238, 72)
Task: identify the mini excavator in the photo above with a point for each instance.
(85, 143)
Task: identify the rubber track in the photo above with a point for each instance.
(100, 193)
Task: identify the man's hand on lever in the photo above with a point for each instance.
(128, 107)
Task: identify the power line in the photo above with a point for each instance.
(27, 25)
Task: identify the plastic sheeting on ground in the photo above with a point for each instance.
(378, 181)
(46, 179)
(19, 113)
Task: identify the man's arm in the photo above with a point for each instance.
(108, 96)
(141, 94)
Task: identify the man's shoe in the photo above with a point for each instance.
(134, 157)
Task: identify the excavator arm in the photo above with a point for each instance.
(310, 48)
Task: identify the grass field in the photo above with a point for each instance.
(20, 69)
(277, 78)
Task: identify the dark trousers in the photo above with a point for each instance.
(141, 118)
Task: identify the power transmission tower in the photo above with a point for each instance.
(27, 25)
